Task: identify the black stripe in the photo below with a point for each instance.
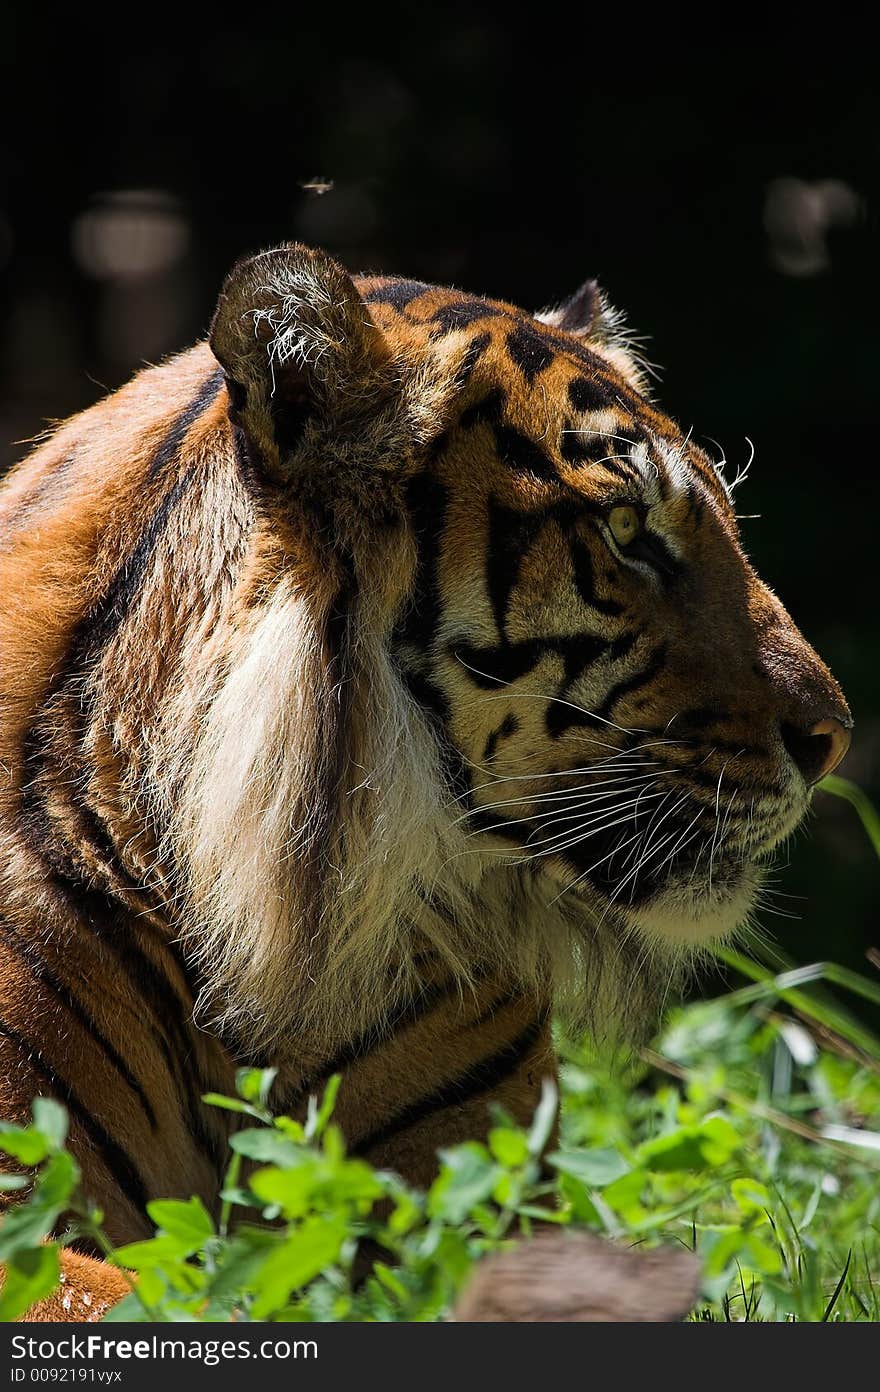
(510, 536)
(358, 1049)
(523, 456)
(119, 1164)
(633, 683)
(589, 393)
(496, 822)
(427, 695)
(652, 548)
(101, 914)
(88, 640)
(487, 411)
(460, 314)
(501, 1002)
(579, 653)
(508, 727)
(434, 703)
(99, 626)
(475, 350)
(43, 493)
(110, 925)
(595, 366)
(427, 501)
(580, 448)
(623, 645)
(174, 436)
(96, 630)
(399, 294)
(529, 351)
(27, 953)
(483, 1077)
(585, 580)
(110, 922)
(491, 667)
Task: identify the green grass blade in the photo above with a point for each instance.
(852, 793)
(837, 1289)
(789, 986)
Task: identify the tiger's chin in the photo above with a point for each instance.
(680, 917)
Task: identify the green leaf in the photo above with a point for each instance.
(269, 1146)
(802, 987)
(577, 1199)
(23, 1143)
(130, 1310)
(255, 1084)
(405, 1214)
(315, 1184)
(351, 1182)
(732, 1246)
(293, 1130)
(468, 1176)
(595, 1168)
(239, 1261)
(391, 1281)
(244, 1198)
(25, 1226)
(10, 1182)
(232, 1104)
(50, 1118)
(57, 1181)
(30, 1276)
(545, 1215)
(28, 1223)
(164, 1251)
(313, 1247)
(703, 1146)
(510, 1148)
(187, 1221)
(506, 1192)
(751, 1197)
(318, 1116)
(291, 1189)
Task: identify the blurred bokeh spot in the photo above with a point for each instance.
(798, 217)
(135, 243)
(130, 234)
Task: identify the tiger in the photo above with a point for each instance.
(380, 679)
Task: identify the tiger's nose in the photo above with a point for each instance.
(819, 750)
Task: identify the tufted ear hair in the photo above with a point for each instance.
(587, 315)
(297, 344)
(580, 314)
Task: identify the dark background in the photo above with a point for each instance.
(721, 188)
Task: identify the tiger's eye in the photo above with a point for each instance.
(625, 523)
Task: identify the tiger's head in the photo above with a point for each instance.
(624, 710)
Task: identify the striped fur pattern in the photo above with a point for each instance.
(339, 732)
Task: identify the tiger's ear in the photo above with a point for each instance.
(581, 314)
(587, 315)
(297, 344)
